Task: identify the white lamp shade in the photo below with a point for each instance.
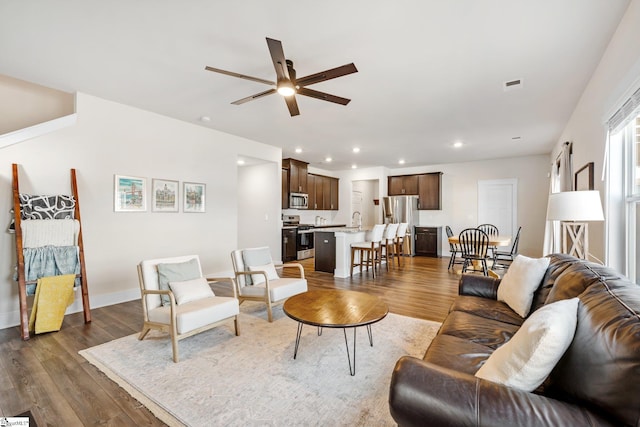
(575, 206)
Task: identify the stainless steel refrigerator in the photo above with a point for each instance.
(397, 209)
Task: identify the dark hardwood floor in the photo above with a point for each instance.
(47, 375)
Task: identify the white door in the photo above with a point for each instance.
(497, 204)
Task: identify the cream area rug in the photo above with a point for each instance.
(253, 380)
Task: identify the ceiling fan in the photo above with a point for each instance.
(287, 84)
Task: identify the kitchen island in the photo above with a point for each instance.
(333, 248)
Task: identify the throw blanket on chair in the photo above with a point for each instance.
(49, 261)
(53, 296)
(42, 232)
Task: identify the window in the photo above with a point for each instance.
(632, 192)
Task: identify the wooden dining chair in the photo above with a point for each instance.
(454, 248)
(500, 258)
(491, 230)
(474, 244)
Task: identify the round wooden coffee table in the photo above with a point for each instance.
(336, 308)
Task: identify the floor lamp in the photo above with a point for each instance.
(575, 209)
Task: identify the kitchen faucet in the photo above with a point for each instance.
(359, 222)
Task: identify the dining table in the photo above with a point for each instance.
(499, 240)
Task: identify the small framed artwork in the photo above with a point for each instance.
(584, 178)
(193, 195)
(130, 194)
(164, 195)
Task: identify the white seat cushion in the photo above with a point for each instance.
(280, 289)
(196, 314)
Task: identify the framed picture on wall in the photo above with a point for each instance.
(130, 194)
(164, 195)
(193, 195)
(584, 178)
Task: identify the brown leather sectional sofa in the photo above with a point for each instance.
(595, 383)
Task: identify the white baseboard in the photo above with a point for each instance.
(12, 318)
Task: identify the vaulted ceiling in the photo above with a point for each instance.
(430, 72)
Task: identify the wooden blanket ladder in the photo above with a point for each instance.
(22, 282)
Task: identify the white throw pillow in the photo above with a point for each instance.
(270, 269)
(191, 290)
(525, 361)
(520, 282)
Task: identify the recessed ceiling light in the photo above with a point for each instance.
(354, 166)
(205, 119)
(240, 162)
(457, 144)
(356, 149)
(298, 150)
(328, 159)
(401, 161)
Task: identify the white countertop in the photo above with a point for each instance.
(341, 229)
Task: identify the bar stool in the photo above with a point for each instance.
(400, 235)
(388, 244)
(369, 251)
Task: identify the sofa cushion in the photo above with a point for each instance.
(269, 268)
(488, 332)
(177, 272)
(520, 282)
(456, 353)
(197, 314)
(191, 290)
(486, 308)
(529, 357)
(601, 367)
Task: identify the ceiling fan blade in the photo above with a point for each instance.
(277, 56)
(327, 75)
(323, 96)
(292, 104)
(241, 76)
(252, 97)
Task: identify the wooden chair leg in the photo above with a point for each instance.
(145, 331)
(353, 252)
(236, 324)
(269, 312)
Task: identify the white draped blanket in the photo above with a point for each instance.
(37, 233)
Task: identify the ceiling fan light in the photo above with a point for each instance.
(285, 88)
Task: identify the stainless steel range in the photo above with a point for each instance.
(304, 236)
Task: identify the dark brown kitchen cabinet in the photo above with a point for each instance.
(319, 186)
(289, 251)
(429, 191)
(311, 190)
(285, 189)
(297, 175)
(325, 193)
(428, 241)
(403, 185)
(325, 251)
(335, 188)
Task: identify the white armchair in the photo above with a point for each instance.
(257, 278)
(177, 299)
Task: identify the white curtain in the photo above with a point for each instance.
(561, 180)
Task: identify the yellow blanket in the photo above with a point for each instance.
(53, 295)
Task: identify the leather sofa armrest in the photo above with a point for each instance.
(478, 286)
(424, 394)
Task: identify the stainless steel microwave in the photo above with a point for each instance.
(298, 201)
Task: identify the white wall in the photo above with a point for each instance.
(111, 138)
(615, 79)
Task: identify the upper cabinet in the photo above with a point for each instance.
(325, 193)
(429, 191)
(403, 185)
(426, 186)
(297, 175)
